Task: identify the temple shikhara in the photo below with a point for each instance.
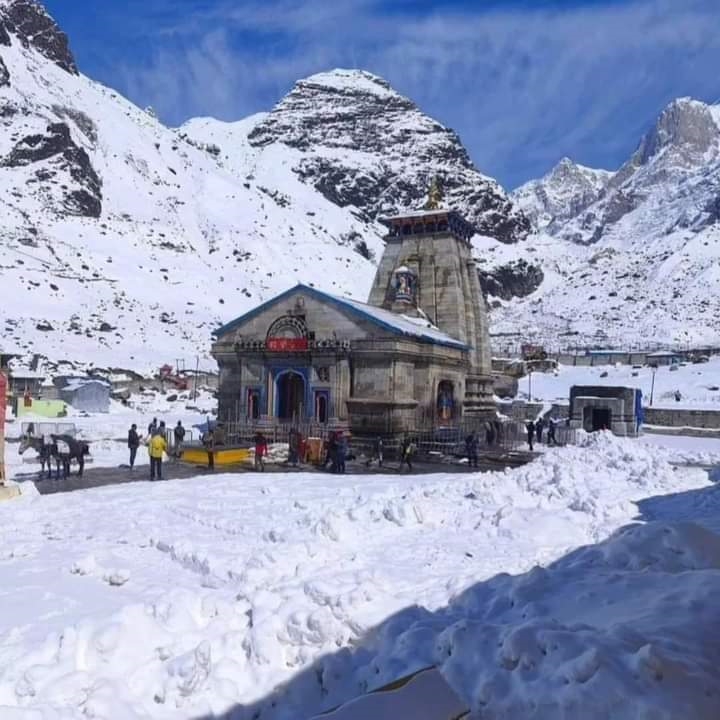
(415, 355)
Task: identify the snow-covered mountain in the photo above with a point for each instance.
(631, 257)
(562, 194)
(124, 243)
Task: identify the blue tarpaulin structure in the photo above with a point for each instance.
(639, 409)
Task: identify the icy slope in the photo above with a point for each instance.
(365, 145)
(179, 599)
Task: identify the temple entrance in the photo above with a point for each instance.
(445, 401)
(595, 418)
(290, 395)
(321, 406)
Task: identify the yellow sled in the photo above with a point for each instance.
(222, 456)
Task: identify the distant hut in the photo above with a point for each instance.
(85, 394)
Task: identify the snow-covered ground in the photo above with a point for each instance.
(180, 599)
(683, 450)
(695, 382)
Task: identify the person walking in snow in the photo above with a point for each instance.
(489, 434)
(152, 427)
(179, 433)
(157, 447)
(341, 452)
(539, 425)
(471, 449)
(551, 432)
(208, 440)
(330, 454)
(261, 451)
(377, 454)
(530, 427)
(293, 447)
(407, 450)
(133, 443)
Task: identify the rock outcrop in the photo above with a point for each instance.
(516, 279)
(364, 145)
(28, 21)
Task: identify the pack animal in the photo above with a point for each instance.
(62, 450)
(44, 452)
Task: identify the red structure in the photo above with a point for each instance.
(3, 409)
(167, 375)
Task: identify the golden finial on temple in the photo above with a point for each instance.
(435, 195)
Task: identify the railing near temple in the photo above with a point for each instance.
(430, 438)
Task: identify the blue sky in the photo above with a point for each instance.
(524, 82)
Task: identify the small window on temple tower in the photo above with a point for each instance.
(405, 283)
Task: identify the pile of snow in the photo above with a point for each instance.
(684, 450)
(614, 630)
(180, 599)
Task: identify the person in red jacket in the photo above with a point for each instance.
(261, 451)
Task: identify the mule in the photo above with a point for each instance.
(66, 449)
(45, 451)
(62, 449)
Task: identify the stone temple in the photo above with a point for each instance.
(416, 355)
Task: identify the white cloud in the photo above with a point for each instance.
(523, 87)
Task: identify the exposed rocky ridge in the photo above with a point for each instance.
(365, 145)
(30, 23)
(516, 279)
(562, 194)
(681, 151)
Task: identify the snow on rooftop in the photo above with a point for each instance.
(73, 384)
(416, 214)
(26, 374)
(415, 327)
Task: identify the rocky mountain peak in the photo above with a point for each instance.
(561, 194)
(685, 125)
(390, 152)
(340, 108)
(29, 22)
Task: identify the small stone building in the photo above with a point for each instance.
(598, 407)
(417, 354)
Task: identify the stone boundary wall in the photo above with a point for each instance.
(682, 417)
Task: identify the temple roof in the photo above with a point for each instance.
(417, 328)
(425, 219)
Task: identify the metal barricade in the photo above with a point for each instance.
(39, 429)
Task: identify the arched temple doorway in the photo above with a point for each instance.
(290, 395)
(445, 401)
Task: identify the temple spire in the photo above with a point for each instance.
(435, 195)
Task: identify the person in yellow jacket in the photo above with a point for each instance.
(156, 447)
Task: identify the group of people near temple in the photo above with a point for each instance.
(162, 443)
(156, 442)
(535, 431)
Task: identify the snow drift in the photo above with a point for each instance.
(279, 597)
